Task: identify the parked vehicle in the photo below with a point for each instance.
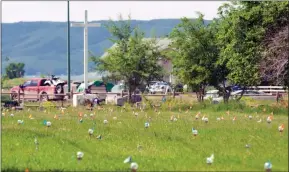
(153, 82)
(236, 88)
(249, 93)
(214, 95)
(160, 88)
(35, 86)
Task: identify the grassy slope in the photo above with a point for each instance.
(166, 145)
(9, 83)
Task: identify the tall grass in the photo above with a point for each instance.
(166, 145)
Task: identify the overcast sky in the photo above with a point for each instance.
(15, 11)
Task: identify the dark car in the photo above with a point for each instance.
(236, 88)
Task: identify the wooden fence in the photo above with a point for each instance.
(21, 97)
(270, 89)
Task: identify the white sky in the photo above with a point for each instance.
(15, 11)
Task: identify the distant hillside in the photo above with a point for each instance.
(42, 45)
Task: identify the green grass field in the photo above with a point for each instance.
(166, 145)
(9, 83)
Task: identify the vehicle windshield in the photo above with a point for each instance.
(27, 83)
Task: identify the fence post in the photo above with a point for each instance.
(18, 96)
(71, 94)
(38, 98)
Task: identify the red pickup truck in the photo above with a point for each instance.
(35, 86)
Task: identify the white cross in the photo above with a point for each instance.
(85, 47)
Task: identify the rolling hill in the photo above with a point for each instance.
(42, 46)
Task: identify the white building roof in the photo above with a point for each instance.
(162, 43)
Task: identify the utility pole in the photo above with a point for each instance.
(68, 47)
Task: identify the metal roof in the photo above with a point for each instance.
(162, 43)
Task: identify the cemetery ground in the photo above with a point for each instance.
(166, 145)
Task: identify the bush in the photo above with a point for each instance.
(233, 105)
(9, 83)
(5, 98)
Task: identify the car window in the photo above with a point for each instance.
(27, 83)
(34, 83)
(42, 82)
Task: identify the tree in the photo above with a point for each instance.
(274, 64)
(133, 59)
(194, 54)
(219, 72)
(15, 70)
(242, 29)
(238, 38)
(111, 78)
(275, 44)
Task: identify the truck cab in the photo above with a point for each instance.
(35, 89)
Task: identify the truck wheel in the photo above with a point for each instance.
(43, 97)
(14, 96)
(59, 89)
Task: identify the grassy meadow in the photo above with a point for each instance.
(165, 145)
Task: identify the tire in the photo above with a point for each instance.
(14, 96)
(44, 97)
(59, 89)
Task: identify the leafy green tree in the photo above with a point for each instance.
(219, 71)
(133, 59)
(242, 27)
(194, 54)
(111, 78)
(237, 38)
(15, 70)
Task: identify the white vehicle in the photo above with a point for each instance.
(160, 89)
(158, 83)
(249, 93)
(214, 95)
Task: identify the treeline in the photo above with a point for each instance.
(13, 70)
(246, 45)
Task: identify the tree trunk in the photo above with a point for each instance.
(198, 96)
(226, 93)
(201, 93)
(242, 93)
(129, 94)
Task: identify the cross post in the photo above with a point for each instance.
(85, 25)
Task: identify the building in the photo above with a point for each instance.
(163, 44)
